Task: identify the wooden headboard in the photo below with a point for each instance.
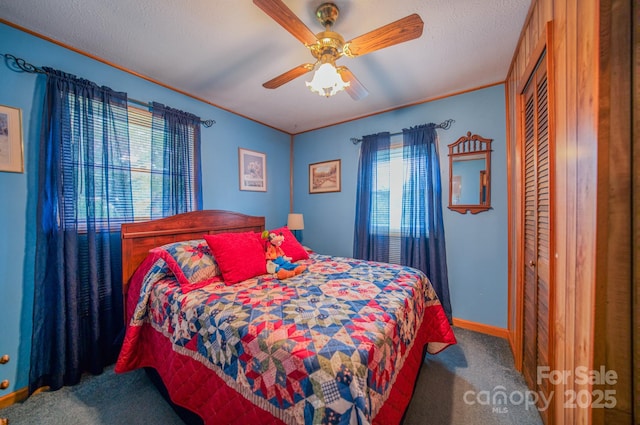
(139, 238)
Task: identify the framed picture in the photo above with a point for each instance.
(11, 140)
(324, 177)
(253, 170)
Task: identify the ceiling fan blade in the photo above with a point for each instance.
(288, 76)
(355, 88)
(405, 29)
(280, 13)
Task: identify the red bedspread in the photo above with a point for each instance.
(342, 343)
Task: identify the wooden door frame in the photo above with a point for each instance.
(635, 214)
(618, 153)
(544, 45)
(635, 162)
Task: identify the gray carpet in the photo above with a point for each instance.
(458, 386)
(454, 387)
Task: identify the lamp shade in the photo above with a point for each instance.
(326, 81)
(295, 222)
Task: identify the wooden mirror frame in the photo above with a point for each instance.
(472, 145)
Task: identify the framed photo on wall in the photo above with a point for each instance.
(324, 176)
(11, 158)
(253, 170)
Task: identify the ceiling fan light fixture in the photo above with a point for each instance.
(327, 81)
(329, 46)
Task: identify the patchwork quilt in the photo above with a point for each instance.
(323, 347)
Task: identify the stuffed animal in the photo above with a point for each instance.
(277, 261)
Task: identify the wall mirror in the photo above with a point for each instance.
(470, 174)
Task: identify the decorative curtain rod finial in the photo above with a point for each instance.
(20, 65)
(446, 125)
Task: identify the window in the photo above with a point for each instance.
(149, 162)
(140, 122)
(94, 164)
(393, 170)
(113, 180)
(389, 174)
(386, 221)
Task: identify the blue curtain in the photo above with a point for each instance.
(422, 243)
(84, 195)
(371, 234)
(419, 231)
(176, 172)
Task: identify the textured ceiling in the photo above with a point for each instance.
(221, 51)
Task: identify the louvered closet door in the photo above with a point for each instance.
(537, 228)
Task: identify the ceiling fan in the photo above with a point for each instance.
(328, 46)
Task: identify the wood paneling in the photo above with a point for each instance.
(588, 46)
(614, 253)
(563, 326)
(635, 211)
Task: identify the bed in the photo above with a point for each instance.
(340, 343)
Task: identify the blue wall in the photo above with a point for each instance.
(18, 191)
(476, 244)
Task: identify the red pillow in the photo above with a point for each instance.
(291, 247)
(240, 256)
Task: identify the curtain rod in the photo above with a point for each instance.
(25, 66)
(445, 125)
